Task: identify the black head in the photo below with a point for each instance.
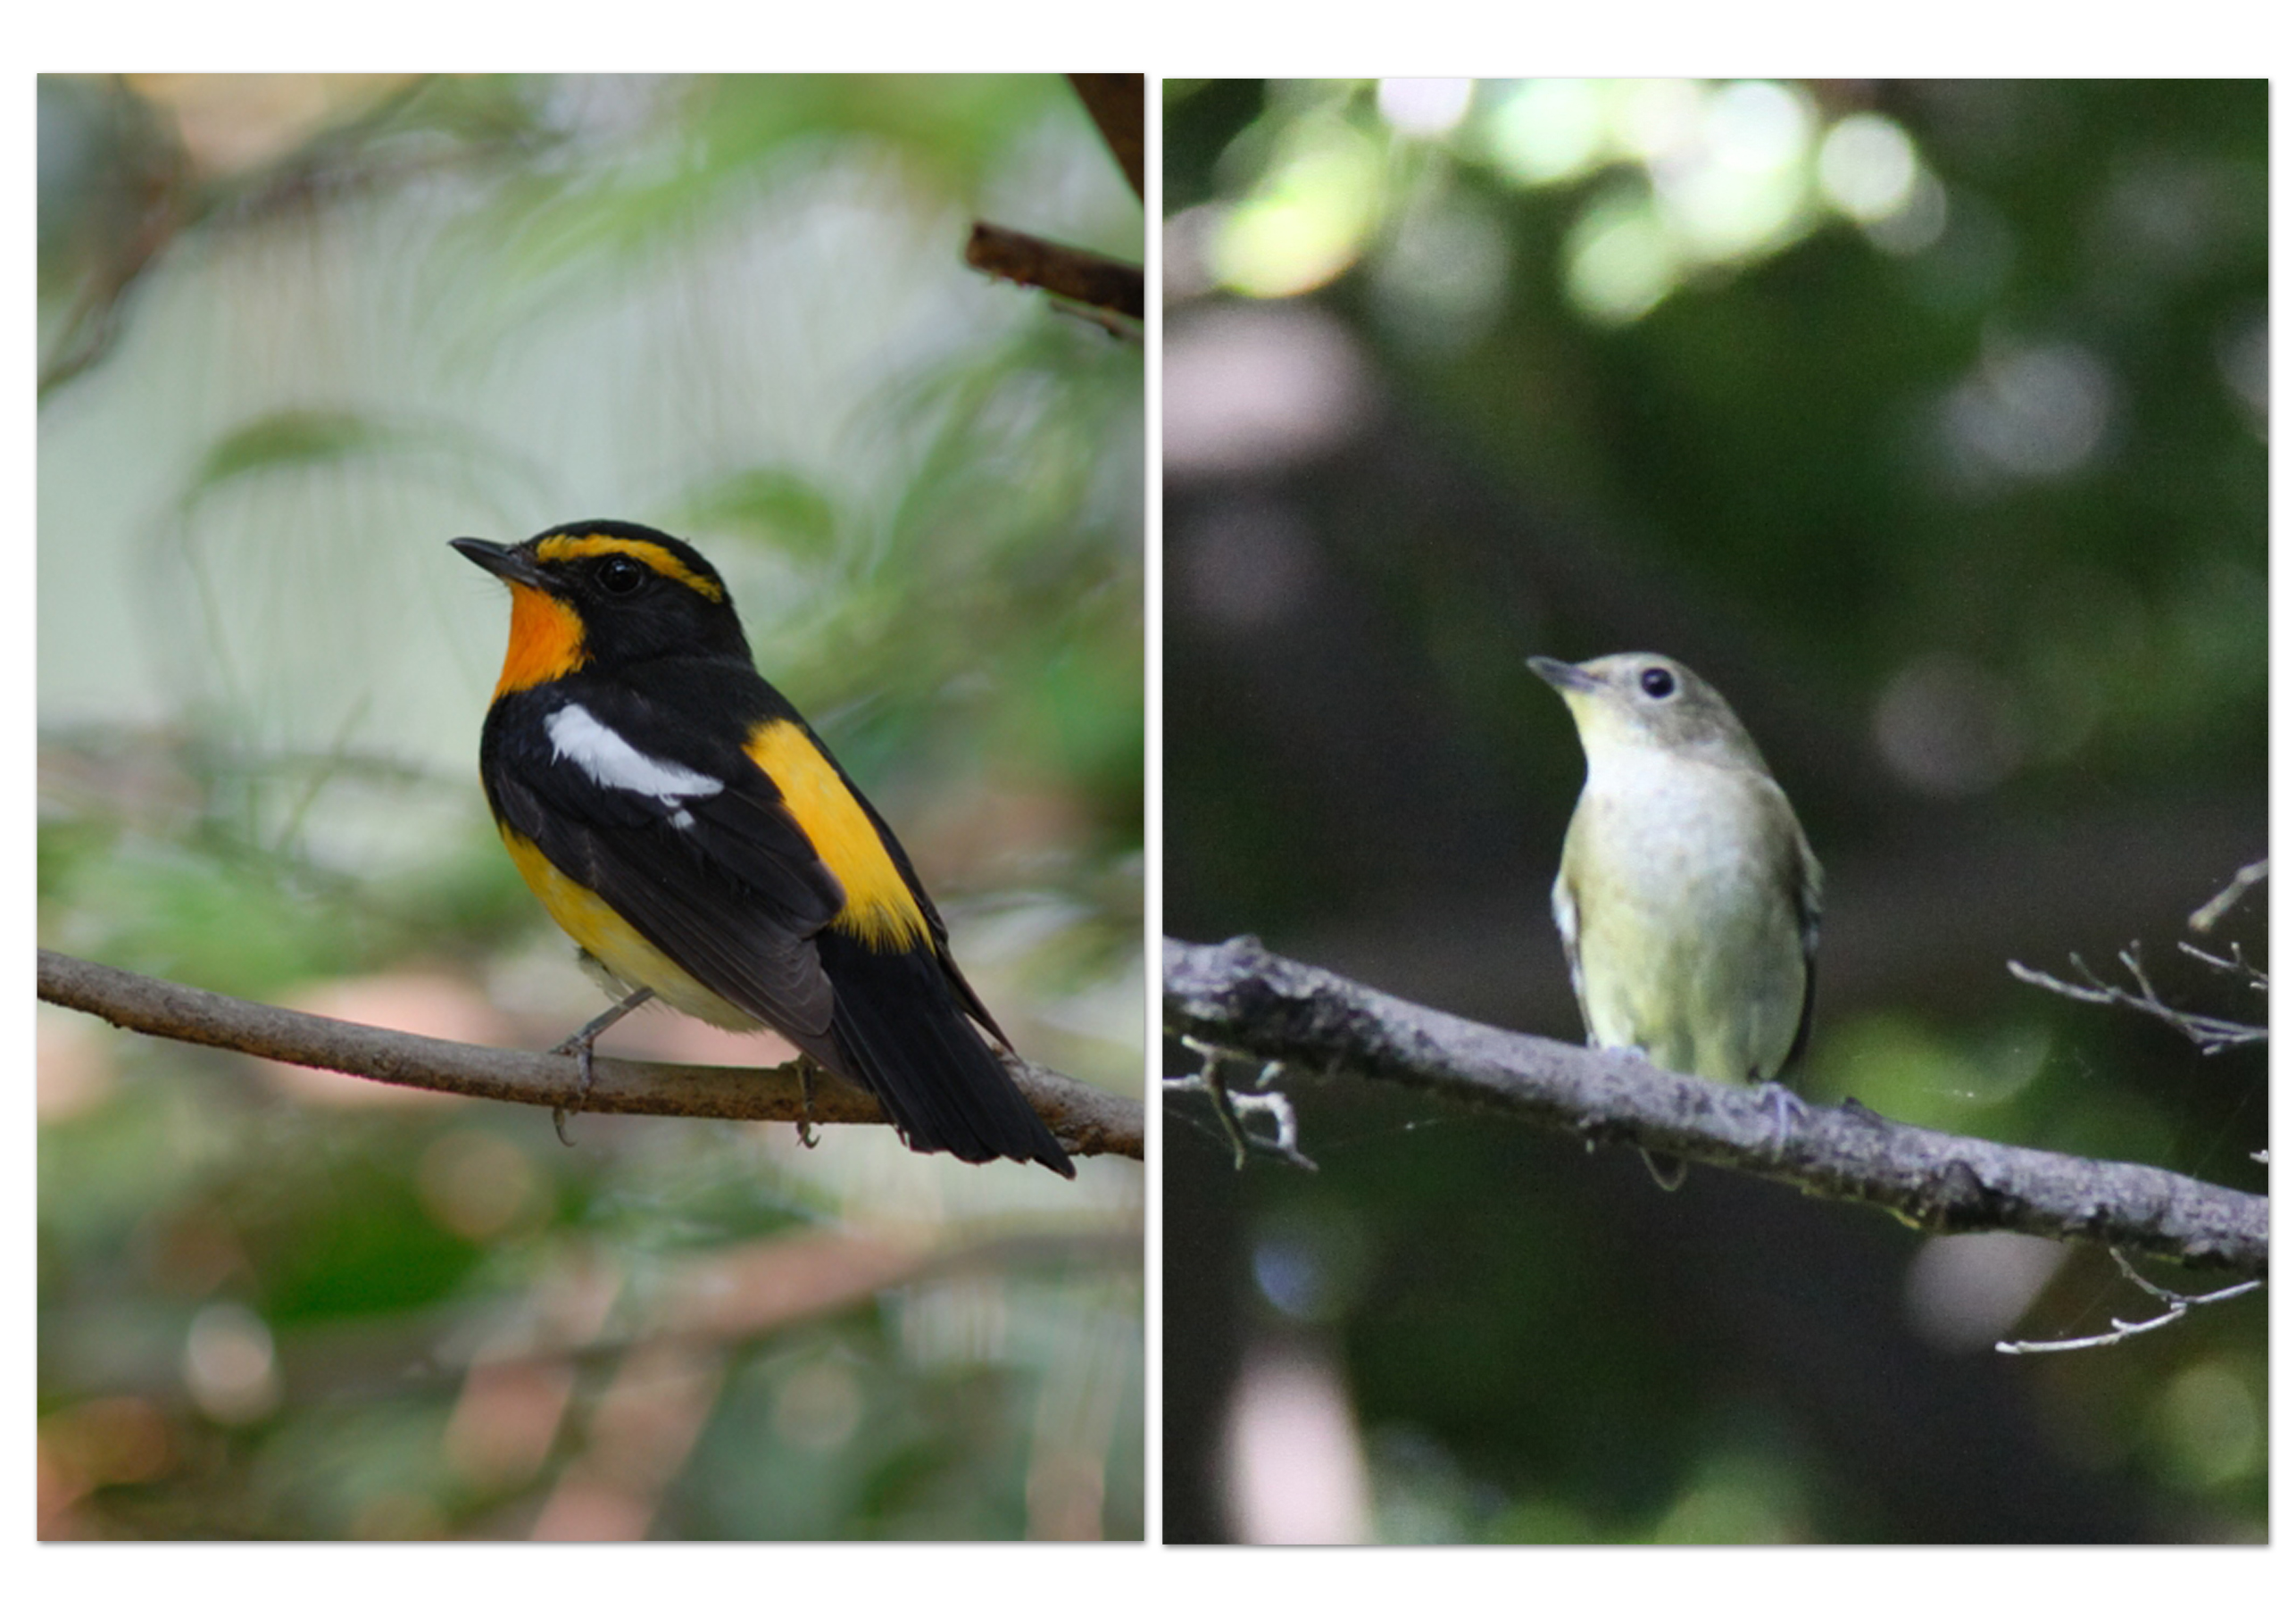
(634, 593)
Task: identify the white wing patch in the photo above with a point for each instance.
(613, 762)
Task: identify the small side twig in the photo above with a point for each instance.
(1087, 279)
(1110, 292)
(2179, 1304)
(2205, 917)
(2213, 1034)
(1228, 1106)
(2237, 964)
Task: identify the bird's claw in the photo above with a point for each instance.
(578, 1045)
(806, 1136)
(1786, 1108)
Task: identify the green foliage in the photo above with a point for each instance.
(296, 334)
(1959, 491)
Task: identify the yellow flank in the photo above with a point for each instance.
(654, 556)
(878, 907)
(611, 939)
(547, 640)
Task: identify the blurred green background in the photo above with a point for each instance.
(1928, 422)
(295, 332)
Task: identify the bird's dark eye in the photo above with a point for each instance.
(1658, 681)
(620, 576)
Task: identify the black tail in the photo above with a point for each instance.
(899, 1025)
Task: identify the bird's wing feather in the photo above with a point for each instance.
(1808, 880)
(1565, 903)
(719, 879)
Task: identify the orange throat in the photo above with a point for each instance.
(546, 641)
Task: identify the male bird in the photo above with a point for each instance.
(681, 822)
(1688, 896)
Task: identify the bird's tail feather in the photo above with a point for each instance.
(899, 1026)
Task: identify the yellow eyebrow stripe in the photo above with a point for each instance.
(654, 556)
(879, 909)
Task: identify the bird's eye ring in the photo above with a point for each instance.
(619, 575)
(1658, 681)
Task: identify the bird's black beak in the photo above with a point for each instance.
(496, 559)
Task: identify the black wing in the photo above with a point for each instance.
(723, 882)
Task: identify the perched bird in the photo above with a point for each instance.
(681, 822)
(1688, 897)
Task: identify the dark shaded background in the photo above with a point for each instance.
(1965, 510)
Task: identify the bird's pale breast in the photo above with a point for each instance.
(1690, 945)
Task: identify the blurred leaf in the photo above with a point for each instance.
(480, 305)
(781, 507)
(290, 439)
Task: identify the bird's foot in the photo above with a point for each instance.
(578, 1044)
(1786, 1109)
(805, 1134)
(1666, 1171)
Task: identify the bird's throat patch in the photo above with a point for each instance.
(547, 640)
(879, 909)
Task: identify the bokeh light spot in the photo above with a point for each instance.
(229, 1364)
(1948, 726)
(1546, 130)
(1741, 186)
(476, 1183)
(1653, 119)
(1738, 1497)
(1246, 387)
(1963, 1293)
(1619, 261)
(1307, 220)
(1443, 280)
(2030, 411)
(1917, 226)
(2211, 1425)
(1866, 167)
(1425, 107)
(2244, 361)
(1295, 1473)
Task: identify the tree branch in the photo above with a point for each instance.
(1117, 104)
(1080, 274)
(1086, 1121)
(1242, 999)
(1110, 291)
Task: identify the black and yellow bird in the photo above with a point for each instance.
(681, 822)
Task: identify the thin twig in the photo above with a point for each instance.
(1226, 1105)
(2237, 964)
(2205, 917)
(2213, 1034)
(2180, 1304)
(1089, 278)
